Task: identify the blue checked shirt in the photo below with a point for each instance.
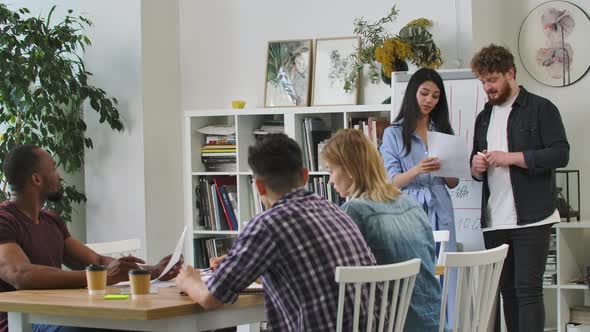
(295, 246)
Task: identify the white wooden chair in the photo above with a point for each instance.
(478, 275)
(402, 276)
(441, 237)
(117, 249)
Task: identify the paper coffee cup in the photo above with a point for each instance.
(96, 278)
(140, 282)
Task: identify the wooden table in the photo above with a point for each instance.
(165, 311)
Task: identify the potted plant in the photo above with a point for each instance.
(412, 43)
(43, 87)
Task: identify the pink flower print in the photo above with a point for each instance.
(556, 60)
(557, 24)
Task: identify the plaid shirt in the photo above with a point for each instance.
(295, 246)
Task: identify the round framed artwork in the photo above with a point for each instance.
(553, 43)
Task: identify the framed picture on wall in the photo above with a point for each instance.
(332, 63)
(287, 73)
(553, 43)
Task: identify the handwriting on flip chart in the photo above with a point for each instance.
(466, 199)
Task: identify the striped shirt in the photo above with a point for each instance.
(295, 247)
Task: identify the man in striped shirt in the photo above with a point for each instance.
(294, 246)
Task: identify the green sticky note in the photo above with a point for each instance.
(116, 297)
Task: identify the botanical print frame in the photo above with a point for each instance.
(553, 43)
(332, 63)
(287, 73)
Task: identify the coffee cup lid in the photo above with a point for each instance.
(138, 272)
(93, 267)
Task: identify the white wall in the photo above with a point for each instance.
(223, 43)
(133, 179)
(571, 101)
(162, 126)
(114, 170)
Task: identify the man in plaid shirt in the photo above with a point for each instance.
(294, 246)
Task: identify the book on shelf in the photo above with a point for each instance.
(373, 127)
(198, 221)
(550, 274)
(580, 314)
(228, 207)
(216, 212)
(574, 327)
(218, 154)
(218, 130)
(207, 248)
(256, 205)
(269, 127)
(321, 163)
(220, 167)
(320, 185)
(314, 131)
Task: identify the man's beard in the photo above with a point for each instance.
(55, 196)
(505, 93)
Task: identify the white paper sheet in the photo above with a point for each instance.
(453, 153)
(218, 130)
(175, 256)
(252, 288)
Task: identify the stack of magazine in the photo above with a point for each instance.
(269, 127)
(550, 275)
(218, 154)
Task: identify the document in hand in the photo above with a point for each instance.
(453, 153)
(175, 256)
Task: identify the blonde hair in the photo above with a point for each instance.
(352, 150)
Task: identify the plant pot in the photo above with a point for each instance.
(399, 65)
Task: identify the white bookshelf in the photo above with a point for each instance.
(573, 255)
(245, 121)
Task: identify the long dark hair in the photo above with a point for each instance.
(410, 110)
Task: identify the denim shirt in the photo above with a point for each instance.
(429, 191)
(398, 231)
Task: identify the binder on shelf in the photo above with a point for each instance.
(227, 206)
(223, 205)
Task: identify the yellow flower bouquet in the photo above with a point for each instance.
(413, 43)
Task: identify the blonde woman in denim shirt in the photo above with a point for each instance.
(393, 224)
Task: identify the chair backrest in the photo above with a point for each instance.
(117, 249)
(441, 237)
(478, 275)
(402, 277)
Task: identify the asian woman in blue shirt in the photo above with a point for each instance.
(405, 153)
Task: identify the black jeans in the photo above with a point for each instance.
(521, 282)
